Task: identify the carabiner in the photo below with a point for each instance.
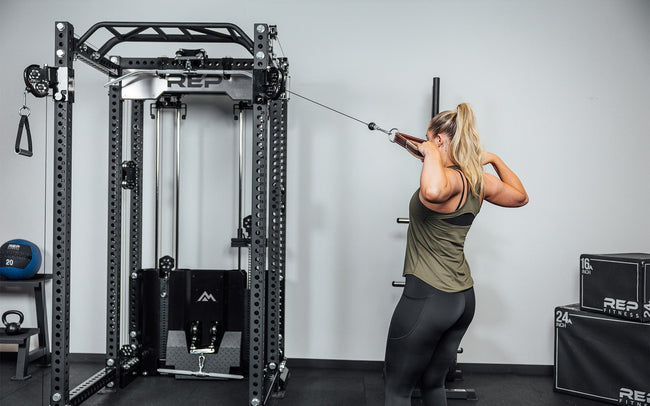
(24, 111)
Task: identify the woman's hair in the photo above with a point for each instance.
(466, 150)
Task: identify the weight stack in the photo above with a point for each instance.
(601, 357)
(617, 285)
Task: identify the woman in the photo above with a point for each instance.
(437, 304)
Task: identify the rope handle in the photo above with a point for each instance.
(410, 143)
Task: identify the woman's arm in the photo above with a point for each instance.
(506, 190)
(437, 183)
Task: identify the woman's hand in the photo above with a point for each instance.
(427, 147)
(487, 158)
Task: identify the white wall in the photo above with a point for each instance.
(561, 92)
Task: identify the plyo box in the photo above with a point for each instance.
(601, 357)
(617, 285)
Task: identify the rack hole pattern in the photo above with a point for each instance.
(62, 224)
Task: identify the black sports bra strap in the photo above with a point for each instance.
(462, 195)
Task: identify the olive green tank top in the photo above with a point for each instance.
(435, 243)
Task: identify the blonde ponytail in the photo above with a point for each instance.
(466, 150)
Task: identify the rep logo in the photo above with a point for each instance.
(620, 304)
(633, 397)
(193, 81)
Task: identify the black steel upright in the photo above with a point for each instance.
(277, 243)
(259, 205)
(258, 82)
(62, 191)
(114, 240)
(135, 234)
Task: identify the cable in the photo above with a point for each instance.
(282, 50)
(327, 107)
(44, 247)
(371, 125)
(45, 191)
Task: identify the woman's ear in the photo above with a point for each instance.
(442, 138)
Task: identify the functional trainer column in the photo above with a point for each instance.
(257, 276)
(135, 234)
(62, 198)
(277, 235)
(114, 251)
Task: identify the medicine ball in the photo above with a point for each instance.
(19, 259)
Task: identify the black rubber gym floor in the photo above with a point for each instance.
(308, 385)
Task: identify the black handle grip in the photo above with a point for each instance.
(24, 124)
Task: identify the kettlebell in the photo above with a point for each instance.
(12, 328)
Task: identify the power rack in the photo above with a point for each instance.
(258, 84)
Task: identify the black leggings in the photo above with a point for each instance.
(423, 339)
